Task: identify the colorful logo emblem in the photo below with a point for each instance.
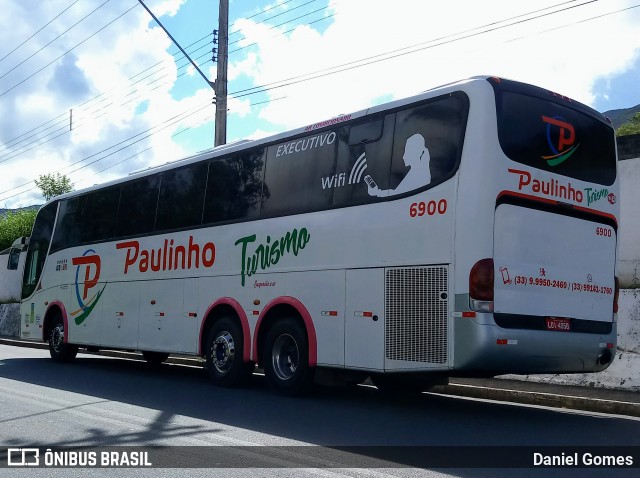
(561, 137)
(611, 198)
(89, 262)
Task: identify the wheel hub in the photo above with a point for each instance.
(223, 352)
(285, 357)
(57, 338)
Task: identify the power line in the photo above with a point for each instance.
(278, 5)
(68, 51)
(274, 16)
(45, 46)
(143, 134)
(283, 23)
(411, 49)
(326, 17)
(63, 118)
(168, 123)
(403, 51)
(273, 85)
(39, 30)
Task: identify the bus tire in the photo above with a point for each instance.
(58, 349)
(286, 358)
(155, 358)
(224, 353)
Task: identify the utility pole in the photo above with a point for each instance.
(220, 85)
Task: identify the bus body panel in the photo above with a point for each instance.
(365, 319)
(553, 265)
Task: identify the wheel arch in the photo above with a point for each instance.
(279, 308)
(54, 308)
(225, 307)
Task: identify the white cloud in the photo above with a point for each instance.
(106, 107)
(459, 39)
(408, 46)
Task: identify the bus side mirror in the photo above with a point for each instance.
(19, 245)
(14, 259)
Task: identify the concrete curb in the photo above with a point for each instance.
(552, 400)
(506, 391)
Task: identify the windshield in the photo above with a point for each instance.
(38, 248)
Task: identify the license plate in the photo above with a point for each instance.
(561, 325)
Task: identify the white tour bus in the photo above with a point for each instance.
(470, 230)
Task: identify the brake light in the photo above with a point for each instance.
(481, 280)
(616, 294)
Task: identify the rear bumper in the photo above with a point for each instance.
(482, 347)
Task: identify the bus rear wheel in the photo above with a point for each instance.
(225, 354)
(59, 350)
(286, 358)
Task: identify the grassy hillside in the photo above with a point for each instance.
(620, 117)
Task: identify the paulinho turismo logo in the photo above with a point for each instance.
(561, 136)
(89, 262)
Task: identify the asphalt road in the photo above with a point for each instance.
(101, 401)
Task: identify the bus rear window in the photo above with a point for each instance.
(556, 138)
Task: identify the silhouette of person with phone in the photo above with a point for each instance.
(417, 158)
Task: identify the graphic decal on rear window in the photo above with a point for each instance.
(560, 133)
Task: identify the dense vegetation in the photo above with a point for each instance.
(15, 224)
(631, 127)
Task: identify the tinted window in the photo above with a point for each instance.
(138, 203)
(99, 218)
(364, 158)
(87, 218)
(556, 138)
(181, 197)
(366, 132)
(234, 188)
(69, 226)
(299, 174)
(428, 143)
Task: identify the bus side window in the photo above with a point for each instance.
(99, 215)
(181, 197)
(69, 225)
(428, 143)
(138, 203)
(299, 174)
(234, 188)
(364, 157)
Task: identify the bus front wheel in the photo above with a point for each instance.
(224, 352)
(286, 358)
(59, 350)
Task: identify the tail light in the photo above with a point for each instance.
(616, 294)
(481, 283)
(481, 286)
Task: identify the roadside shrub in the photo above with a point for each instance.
(16, 224)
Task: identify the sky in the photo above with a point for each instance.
(95, 90)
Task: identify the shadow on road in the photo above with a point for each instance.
(358, 416)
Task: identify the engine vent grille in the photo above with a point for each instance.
(416, 314)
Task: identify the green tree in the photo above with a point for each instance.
(16, 224)
(52, 186)
(631, 127)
